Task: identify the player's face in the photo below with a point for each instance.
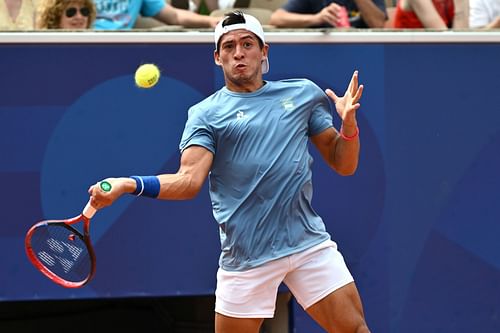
(240, 56)
(75, 16)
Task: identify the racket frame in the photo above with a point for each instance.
(85, 237)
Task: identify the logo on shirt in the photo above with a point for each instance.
(240, 115)
(287, 104)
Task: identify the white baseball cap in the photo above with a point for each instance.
(251, 24)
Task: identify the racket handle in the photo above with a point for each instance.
(89, 211)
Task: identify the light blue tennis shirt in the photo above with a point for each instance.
(260, 181)
(122, 14)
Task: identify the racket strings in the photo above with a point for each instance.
(62, 251)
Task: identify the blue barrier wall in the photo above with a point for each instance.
(418, 223)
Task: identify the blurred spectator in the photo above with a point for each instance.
(225, 4)
(431, 14)
(66, 14)
(484, 14)
(17, 14)
(197, 6)
(117, 15)
(328, 13)
(204, 6)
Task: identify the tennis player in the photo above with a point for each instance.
(251, 139)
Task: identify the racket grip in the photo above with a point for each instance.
(89, 211)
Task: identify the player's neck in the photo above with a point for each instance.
(244, 87)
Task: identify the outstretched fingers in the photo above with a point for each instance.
(332, 95)
(353, 85)
(358, 94)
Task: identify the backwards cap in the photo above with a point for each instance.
(251, 24)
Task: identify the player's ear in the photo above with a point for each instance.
(217, 58)
(265, 50)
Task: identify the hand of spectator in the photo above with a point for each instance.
(330, 15)
(496, 22)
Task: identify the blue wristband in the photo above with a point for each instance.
(148, 186)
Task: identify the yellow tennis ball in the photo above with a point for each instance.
(147, 75)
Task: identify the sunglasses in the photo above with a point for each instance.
(70, 12)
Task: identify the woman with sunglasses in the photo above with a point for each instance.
(64, 14)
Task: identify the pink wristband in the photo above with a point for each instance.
(349, 138)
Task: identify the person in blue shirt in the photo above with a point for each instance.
(122, 15)
(250, 138)
(328, 13)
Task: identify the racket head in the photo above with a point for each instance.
(61, 252)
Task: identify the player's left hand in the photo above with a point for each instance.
(347, 105)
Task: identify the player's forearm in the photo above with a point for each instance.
(373, 16)
(178, 186)
(283, 19)
(346, 153)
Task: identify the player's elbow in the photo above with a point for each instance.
(346, 170)
(190, 193)
(192, 189)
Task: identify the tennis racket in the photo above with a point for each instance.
(60, 251)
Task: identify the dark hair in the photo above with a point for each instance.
(235, 17)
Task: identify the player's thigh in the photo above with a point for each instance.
(316, 273)
(225, 324)
(340, 311)
(250, 293)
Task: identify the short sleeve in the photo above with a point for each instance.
(478, 15)
(152, 7)
(296, 6)
(321, 116)
(197, 131)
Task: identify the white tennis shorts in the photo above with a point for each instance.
(310, 275)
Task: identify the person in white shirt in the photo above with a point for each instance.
(484, 14)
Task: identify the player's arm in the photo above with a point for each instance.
(341, 149)
(196, 162)
(341, 155)
(195, 165)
